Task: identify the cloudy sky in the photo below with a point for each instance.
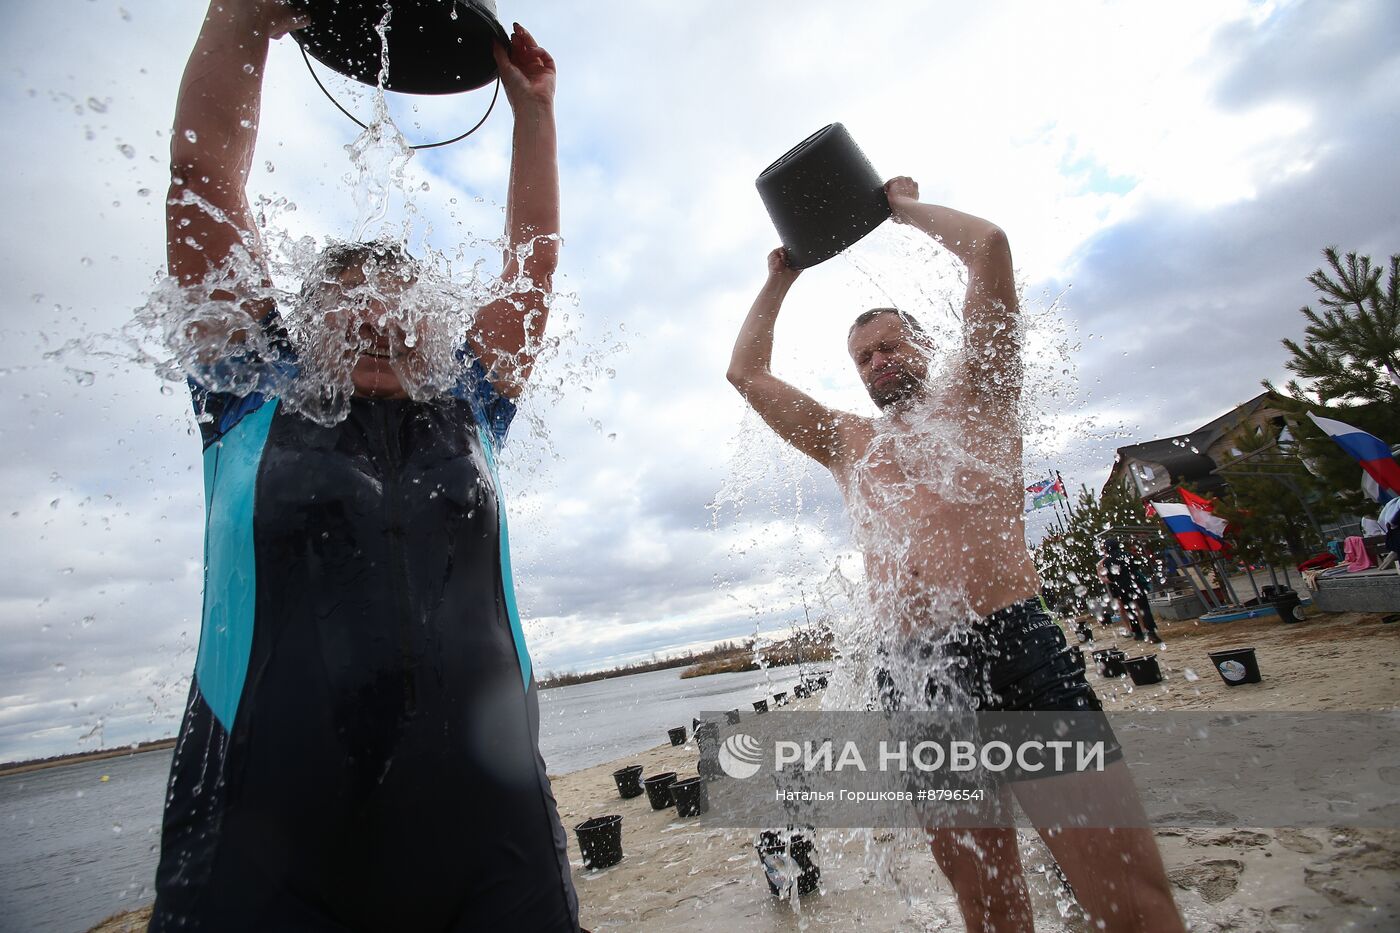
(1168, 175)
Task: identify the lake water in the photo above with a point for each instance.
(77, 849)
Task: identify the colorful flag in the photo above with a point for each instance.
(1368, 450)
(1196, 529)
(1046, 492)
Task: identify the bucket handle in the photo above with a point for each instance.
(358, 122)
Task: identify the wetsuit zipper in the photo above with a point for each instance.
(398, 558)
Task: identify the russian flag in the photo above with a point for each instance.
(1368, 450)
(1195, 528)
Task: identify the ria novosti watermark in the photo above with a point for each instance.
(961, 769)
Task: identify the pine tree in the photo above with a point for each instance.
(1351, 350)
(1350, 360)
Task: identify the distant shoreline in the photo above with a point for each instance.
(58, 761)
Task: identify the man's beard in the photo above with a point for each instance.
(901, 389)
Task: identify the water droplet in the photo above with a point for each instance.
(127, 150)
(86, 261)
(192, 136)
(54, 504)
(83, 377)
(269, 166)
(143, 192)
(59, 667)
(248, 68)
(1190, 674)
(166, 390)
(116, 829)
(88, 620)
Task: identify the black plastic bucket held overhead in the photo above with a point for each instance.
(823, 195)
(434, 47)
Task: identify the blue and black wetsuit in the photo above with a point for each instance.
(360, 750)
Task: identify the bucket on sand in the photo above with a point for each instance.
(659, 789)
(732, 717)
(800, 691)
(676, 735)
(1289, 606)
(691, 796)
(822, 195)
(1144, 671)
(780, 699)
(760, 706)
(1109, 662)
(629, 781)
(600, 841)
(787, 861)
(1236, 666)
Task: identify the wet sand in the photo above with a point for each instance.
(677, 876)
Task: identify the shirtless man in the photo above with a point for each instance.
(933, 486)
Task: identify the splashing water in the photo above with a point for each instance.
(931, 502)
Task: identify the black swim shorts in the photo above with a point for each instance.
(1015, 660)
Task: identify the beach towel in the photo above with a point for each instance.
(1356, 555)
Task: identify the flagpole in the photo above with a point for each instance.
(1068, 503)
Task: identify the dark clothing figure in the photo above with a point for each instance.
(361, 745)
(1128, 583)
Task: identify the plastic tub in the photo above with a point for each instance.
(1144, 670)
(676, 735)
(600, 841)
(1236, 666)
(691, 797)
(629, 781)
(659, 789)
(760, 706)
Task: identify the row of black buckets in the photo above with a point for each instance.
(1234, 665)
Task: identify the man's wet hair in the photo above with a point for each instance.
(909, 321)
(342, 255)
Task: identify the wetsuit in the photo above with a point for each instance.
(360, 749)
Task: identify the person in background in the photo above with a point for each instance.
(1127, 582)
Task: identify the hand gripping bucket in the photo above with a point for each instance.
(823, 195)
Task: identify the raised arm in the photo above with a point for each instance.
(989, 366)
(507, 332)
(207, 217)
(798, 418)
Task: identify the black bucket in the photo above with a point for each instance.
(800, 692)
(780, 699)
(1144, 671)
(1083, 633)
(600, 841)
(1109, 662)
(707, 741)
(800, 849)
(629, 781)
(691, 797)
(760, 706)
(659, 789)
(1289, 606)
(822, 195)
(1236, 666)
(732, 717)
(821, 682)
(434, 48)
(676, 735)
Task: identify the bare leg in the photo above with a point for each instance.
(984, 867)
(1117, 874)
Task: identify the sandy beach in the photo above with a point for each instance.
(678, 876)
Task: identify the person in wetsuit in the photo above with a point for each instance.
(934, 489)
(360, 747)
